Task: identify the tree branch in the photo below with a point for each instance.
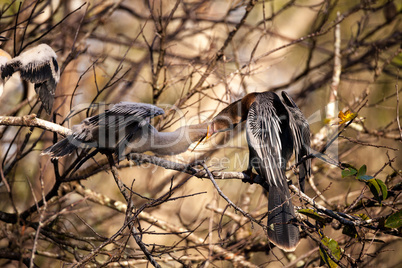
(32, 121)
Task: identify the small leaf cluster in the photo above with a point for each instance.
(377, 187)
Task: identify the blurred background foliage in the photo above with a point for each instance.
(193, 58)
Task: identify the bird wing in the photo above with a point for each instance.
(136, 117)
(123, 121)
(263, 136)
(126, 113)
(37, 65)
(138, 110)
(9, 68)
(270, 141)
(112, 129)
(301, 132)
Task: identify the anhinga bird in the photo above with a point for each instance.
(37, 65)
(124, 129)
(274, 130)
(304, 130)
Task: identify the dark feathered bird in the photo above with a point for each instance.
(124, 129)
(110, 130)
(304, 130)
(37, 65)
(274, 130)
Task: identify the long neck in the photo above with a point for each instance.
(235, 113)
(176, 142)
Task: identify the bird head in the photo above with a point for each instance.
(232, 115)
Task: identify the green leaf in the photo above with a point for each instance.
(384, 189)
(348, 172)
(375, 189)
(362, 171)
(394, 220)
(365, 178)
(378, 188)
(312, 214)
(333, 246)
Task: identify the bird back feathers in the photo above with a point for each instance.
(37, 65)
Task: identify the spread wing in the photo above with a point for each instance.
(111, 129)
(137, 116)
(301, 130)
(37, 65)
(123, 114)
(263, 136)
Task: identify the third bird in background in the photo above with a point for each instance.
(37, 65)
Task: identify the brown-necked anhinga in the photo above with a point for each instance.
(274, 130)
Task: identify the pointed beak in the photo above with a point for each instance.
(206, 137)
(198, 143)
(208, 133)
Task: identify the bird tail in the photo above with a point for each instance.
(282, 230)
(304, 172)
(46, 94)
(62, 148)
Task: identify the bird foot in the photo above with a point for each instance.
(251, 176)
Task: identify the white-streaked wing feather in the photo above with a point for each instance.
(124, 113)
(301, 133)
(263, 134)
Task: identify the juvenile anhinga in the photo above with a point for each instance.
(274, 130)
(124, 129)
(37, 65)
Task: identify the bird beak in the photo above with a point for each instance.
(206, 137)
(198, 143)
(208, 134)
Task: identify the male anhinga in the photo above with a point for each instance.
(37, 65)
(304, 130)
(274, 130)
(124, 129)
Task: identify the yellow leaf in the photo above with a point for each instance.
(346, 117)
(327, 121)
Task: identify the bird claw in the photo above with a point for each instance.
(251, 176)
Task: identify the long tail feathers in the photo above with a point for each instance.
(60, 149)
(282, 230)
(303, 174)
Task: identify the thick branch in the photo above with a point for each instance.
(32, 121)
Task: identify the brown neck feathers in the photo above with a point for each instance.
(235, 113)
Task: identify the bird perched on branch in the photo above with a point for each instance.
(274, 130)
(304, 130)
(37, 65)
(124, 129)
